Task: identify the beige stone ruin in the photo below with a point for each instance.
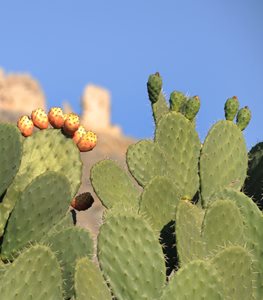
(20, 93)
(96, 110)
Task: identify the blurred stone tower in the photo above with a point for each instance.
(96, 110)
(20, 93)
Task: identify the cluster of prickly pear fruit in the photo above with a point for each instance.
(68, 123)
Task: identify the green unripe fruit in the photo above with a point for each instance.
(231, 108)
(243, 117)
(154, 86)
(177, 100)
(192, 107)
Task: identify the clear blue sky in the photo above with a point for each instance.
(210, 48)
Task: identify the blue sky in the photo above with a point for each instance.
(209, 48)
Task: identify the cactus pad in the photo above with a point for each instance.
(180, 143)
(89, 282)
(197, 280)
(69, 245)
(11, 151)
(113, 185)
(222, 226)
(158, 202)
(35, 274)
(131, 257)
(189, 243)
(223, 161)
(234, 266)
(146, 160)
(42, 204)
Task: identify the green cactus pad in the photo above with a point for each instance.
(146, 160)
(89, 282)
(42, 204)
(154, 86)
(192, 107)
(235, 268)
(231, 108)
(195, 281)
(113, 185)
(158, 202)
(177, 101)
(131, 257)
(189, 243)
(223, 161)
(222, 226)
(253, 228)
(35, 274)
(69, 245)
(45, 150)
(180, 143)
(243, 118)
(66, 222)
(253, 185)
(11, 152)
(159, 108)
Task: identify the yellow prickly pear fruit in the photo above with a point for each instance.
(87, 142)
(78, 134)
(71, 123)
(25, 125)
(56, 117)
(39, 118)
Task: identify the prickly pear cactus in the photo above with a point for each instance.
(175, 225)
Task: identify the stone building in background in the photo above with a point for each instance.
(19, 94)
(96, 110)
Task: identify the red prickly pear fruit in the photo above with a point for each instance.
(39, 118)
(56, 117)
(71, 124)
(82, 201)
(78, 134)
(87, 142)
(25, 125)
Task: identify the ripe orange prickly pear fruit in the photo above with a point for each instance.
(82, 201)
(71, 123)
(78, 134)
(87, 142)
(56, 117)
(39, 118)
(25, 125)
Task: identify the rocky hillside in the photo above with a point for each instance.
(20, 94)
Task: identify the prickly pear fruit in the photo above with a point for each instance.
(87, 142)
(56, 117)
(243, 117)
(78, 134)
(82, 201)
(71, 123)
(177, 100)
(154, 86)
(192, 107)
(25, 125)
(231, 108)
(39, 118)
